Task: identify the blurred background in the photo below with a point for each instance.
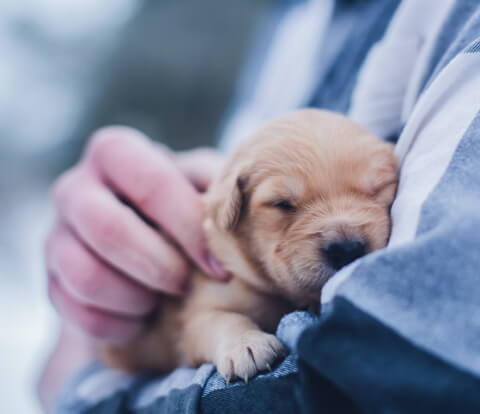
(67, 67)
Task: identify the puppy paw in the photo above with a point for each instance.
(244, 356)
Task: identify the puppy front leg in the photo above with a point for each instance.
(232, 341)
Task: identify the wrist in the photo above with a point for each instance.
(71, 352)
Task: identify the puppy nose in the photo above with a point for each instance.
(342, 252)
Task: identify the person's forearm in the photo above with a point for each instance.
(71, 352)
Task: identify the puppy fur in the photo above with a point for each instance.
(301, 183)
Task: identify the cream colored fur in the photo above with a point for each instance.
(300, 182)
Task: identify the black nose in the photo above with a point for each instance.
(342, 252)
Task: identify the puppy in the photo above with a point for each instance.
(304, 196)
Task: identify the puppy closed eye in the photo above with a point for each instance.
(284, 205)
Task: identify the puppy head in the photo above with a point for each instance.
(306, 195)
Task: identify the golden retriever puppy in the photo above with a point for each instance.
(304, 196)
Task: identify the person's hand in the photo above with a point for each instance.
(129, 214)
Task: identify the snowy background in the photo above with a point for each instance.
(67, 67)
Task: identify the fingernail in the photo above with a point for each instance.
(217, 267)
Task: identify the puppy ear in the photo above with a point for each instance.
(228, 199)
(383, 175)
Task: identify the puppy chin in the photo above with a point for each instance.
(303, 287)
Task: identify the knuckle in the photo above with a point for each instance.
(108, 232)
(105, 139)
(151, 190)
(103, 229)
(62, 187)
(83, 272)
(87, 280)
(154, 182)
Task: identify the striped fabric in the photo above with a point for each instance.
(474, 48)
(400, 329)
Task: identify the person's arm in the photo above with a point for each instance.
(106, 263)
